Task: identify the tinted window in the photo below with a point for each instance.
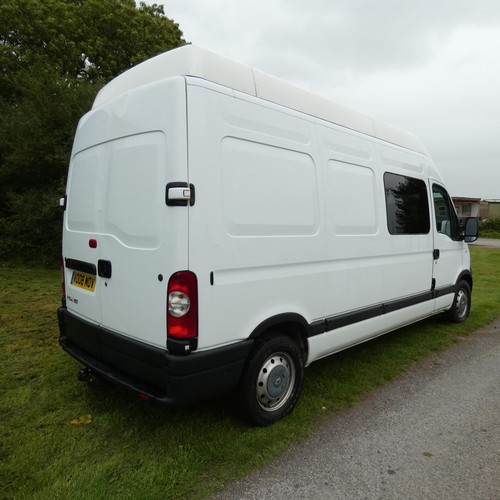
(407, 205)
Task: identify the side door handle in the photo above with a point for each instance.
(104, 268)
(436, 254)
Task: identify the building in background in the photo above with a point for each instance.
(468, 207)
(475, 207)
(490, 209)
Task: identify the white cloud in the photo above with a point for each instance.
(431, 67)
(452, 103)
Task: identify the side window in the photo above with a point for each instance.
(407, 204)
(446, 218)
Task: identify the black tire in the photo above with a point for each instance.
(460, 308)
(272, 379)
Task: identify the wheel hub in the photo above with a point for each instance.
(275, 382)
(461, 303)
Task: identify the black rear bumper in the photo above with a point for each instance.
(156, 373)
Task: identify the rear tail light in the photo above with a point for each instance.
(182, 308)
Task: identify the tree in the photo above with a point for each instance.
(54, 57)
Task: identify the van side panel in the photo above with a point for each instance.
(353, 220)
(257, 242)
(408, 268)
(364, 262)
(282, 187)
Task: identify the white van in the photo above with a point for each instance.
(223, 229)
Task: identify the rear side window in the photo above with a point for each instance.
(407, 204)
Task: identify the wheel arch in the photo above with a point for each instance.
(291, 324)
(465, 276)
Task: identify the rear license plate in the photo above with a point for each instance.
(83, 280)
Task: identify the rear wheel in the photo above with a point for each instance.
(460, 308)
(272, 379)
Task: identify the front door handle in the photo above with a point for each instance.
(436, 254)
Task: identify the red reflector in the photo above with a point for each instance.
(144, 396)
(93, 243)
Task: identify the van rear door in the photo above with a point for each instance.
(132, 243)
(84, 195)
(118, 228)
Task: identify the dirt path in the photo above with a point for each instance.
(435, 433)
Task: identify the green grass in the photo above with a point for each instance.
(121, 447)
(490, 228)
(489, 234)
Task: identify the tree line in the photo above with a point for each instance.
(55, 55)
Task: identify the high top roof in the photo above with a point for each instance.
(190, 60)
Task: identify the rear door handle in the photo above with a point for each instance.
(104, 268)
(179, 194)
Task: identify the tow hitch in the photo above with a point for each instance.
(85, 374)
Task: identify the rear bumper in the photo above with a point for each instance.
(141, 368)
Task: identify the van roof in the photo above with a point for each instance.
(190, 60)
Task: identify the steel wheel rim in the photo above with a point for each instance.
(462, 303)
(275, 381)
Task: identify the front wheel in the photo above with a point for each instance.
(272, 379)
(460, 308)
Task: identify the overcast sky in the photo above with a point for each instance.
(429, 66)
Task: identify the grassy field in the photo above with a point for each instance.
(490, 228)
(62, 438)
(490, 234)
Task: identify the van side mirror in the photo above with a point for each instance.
(471, 231)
